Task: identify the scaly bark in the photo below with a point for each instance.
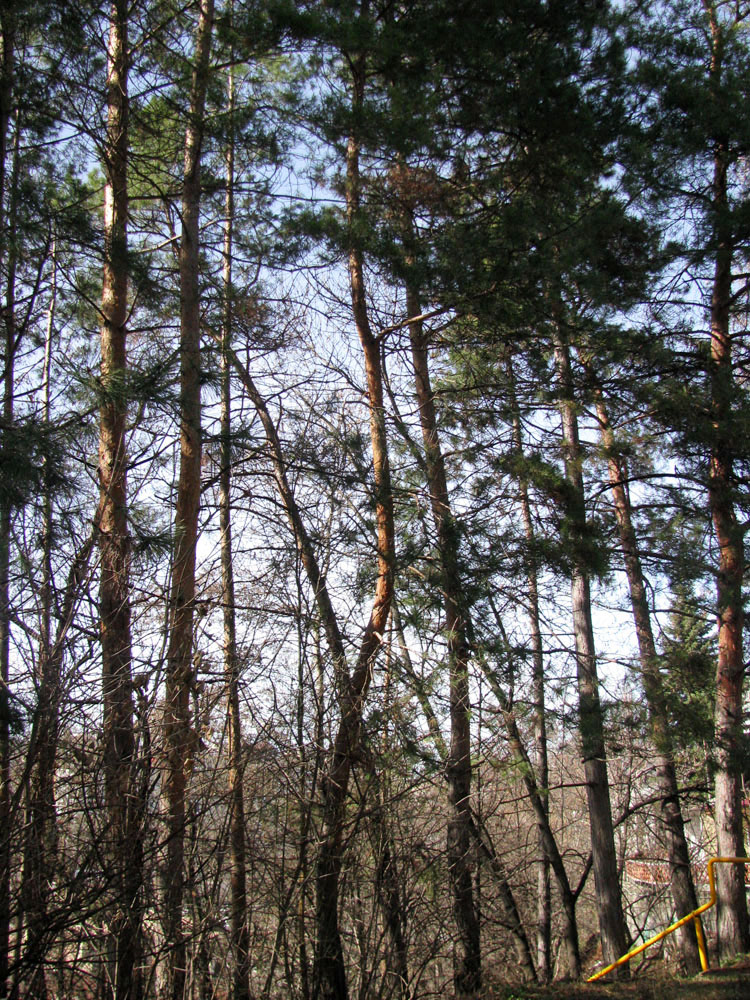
(123, 854)
(177, 729)
(733, 928)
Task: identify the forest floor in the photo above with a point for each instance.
(731, 983)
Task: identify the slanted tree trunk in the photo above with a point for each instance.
(329, 972)
(388, 888)
(538, 801)
(237, 868)
(548, 841)
(177, 729)
(480, 840)
(606, 877)
(388, 885)
(123, 855)
(295, 895)
(734, 932)
(40, 847)
(467, 973)
(352, 691)
(682, 887)
(39, 841)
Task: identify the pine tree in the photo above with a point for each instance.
(125, 848)
(692, 95)
(180, 664)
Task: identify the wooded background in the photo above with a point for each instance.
(373, 490)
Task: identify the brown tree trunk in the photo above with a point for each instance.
(547, 838)
(39, 845)
(178, 733)
(123, 848)
(734, 932)
(388, 888)
(239, 929)
(682, 888)
(606, 877)
(7, 100)
(329, 973)
(388, 884)
(511, 917)
(467, 973)
(296, 884)
(541, 767)
(7, 251)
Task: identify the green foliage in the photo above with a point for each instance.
(31, 461)
(688, 652)
(157, 137)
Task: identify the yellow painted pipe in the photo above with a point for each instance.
(695, 916)
(702, 950)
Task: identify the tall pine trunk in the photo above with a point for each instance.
(734, 932)
(179, 680)
(467, 971)
(8, 252)
(541, 765)
(123, 854)
(591, 723)
(237, 866)
(329, 973)
(682, 887)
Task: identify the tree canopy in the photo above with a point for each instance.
(373, 491)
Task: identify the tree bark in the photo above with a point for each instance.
(123, 857)
(39, 844)
(237, 866)
(511, 915)
(388, 888)
(541, 767)
(682, 887)
(733, 928)
(7, 234)
(178, 733)
(607, 882)
(547, 838)
(467, 972)
(329, 973)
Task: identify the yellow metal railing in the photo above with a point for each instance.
(695, 916)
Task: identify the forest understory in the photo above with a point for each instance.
(729, 983)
